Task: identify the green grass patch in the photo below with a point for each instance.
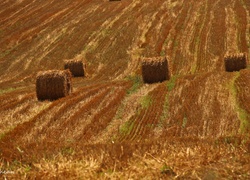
(244, 118)
(136, 83)
(193, 69)
(164, 115)
(5, 53)
(146, 101)
(126, 128)
(170, 86)
(67, 151)
(165, 169)
(243, 115)
(184, 122)
(2, 135)
(106, 32)
(163, 53)
(2, 91)
(171, 83)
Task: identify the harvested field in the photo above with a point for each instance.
(192, 124)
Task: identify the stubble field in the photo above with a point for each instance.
(113, 126)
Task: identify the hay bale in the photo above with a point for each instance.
(76, 67)
(155, 69)
(53, 84)
(235, 62)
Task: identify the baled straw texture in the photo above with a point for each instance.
(76, 67)
(235, 62)
(155, 69)
(53, 84)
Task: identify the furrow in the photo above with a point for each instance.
(16, 102)
(66, 127)
(102, 118)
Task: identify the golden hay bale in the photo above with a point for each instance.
(235, 62)
(53, 84)
(76, 67)
(155, 69)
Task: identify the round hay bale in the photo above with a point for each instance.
(155, 69)
(235, 62)
(76, 67)
(53, 84)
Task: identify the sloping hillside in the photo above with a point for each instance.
(111, 108)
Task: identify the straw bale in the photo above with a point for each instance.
(235, 62)
(53, 84)
(155, 69)
(76, 67)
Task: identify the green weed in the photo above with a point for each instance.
(171, 83)
(163, 53)
(137, 82)
(167, 170)
(146, 101)
(243, 115)
(107, 32)
(164, 115)
(127, 127)
(2, 91)
(2, 135)
(184, 122)
(67, 151)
